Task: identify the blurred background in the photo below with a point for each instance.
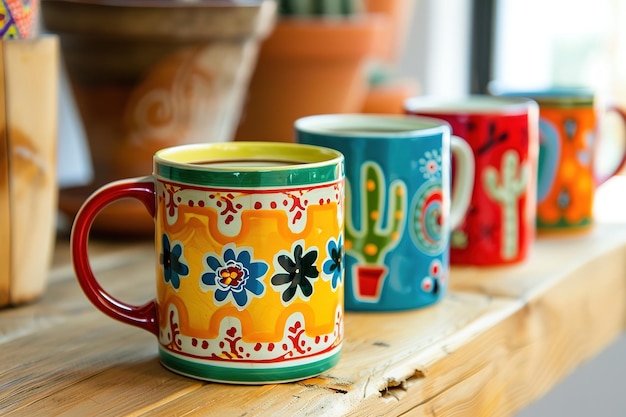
(454, 47)
(461, 46)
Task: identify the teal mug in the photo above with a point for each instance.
(399, 204)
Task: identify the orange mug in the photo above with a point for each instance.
(569, 171)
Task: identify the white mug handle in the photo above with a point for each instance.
(463, 182)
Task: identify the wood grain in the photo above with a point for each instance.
(88, 346)
(517, 360)
(499, 339)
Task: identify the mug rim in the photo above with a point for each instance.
(473, 104)
(297, 165)
(558, 94)
(399, 126)
(293, 155)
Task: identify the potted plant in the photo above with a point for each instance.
(387, 91)
(147, 74)
(314, 61)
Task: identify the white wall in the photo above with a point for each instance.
(437, 50)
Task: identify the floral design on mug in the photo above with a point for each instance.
(430, 164)
(568, 207)
(493, 139)
(231, 204)
(174, 264)
(231, 344)
(585, 153)
(171, 201)
(427, 207)
(234, 276)
(436, 278)
(333, 266)
(300, 272)
(427, 228)
(566, 199)
(570, 127)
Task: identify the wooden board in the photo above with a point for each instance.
(499, 339)
(31, 72)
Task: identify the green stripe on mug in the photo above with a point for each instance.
(201, 370)
(228, 165)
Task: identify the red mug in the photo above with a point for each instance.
(499, 226)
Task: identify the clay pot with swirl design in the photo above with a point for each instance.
(149, 74)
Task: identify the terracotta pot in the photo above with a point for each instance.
(150, 74)
(388, 97)
(399, 12)
(308, 66)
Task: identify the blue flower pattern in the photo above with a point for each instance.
(333, 266)
(173, 261)
(234, 275)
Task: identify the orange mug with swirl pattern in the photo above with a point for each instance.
(571, 136)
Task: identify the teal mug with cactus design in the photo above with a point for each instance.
(400, 205)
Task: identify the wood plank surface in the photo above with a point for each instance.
(81, 345)
(499, 339)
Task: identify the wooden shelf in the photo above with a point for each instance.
(500, 338)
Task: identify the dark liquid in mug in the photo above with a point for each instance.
(246, 163)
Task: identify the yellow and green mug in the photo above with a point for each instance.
(249, 272)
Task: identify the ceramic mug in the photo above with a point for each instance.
(570, 121)
(399, 205)
(249, 277)
(499, 227)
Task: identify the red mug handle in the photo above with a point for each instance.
(142, 189)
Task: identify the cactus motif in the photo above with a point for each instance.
(373, 241)
(458, 239)
(507, 191)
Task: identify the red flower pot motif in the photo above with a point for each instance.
(369, 281)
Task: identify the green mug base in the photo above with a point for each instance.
(563, 227)
(562, 231)
(253, 375)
